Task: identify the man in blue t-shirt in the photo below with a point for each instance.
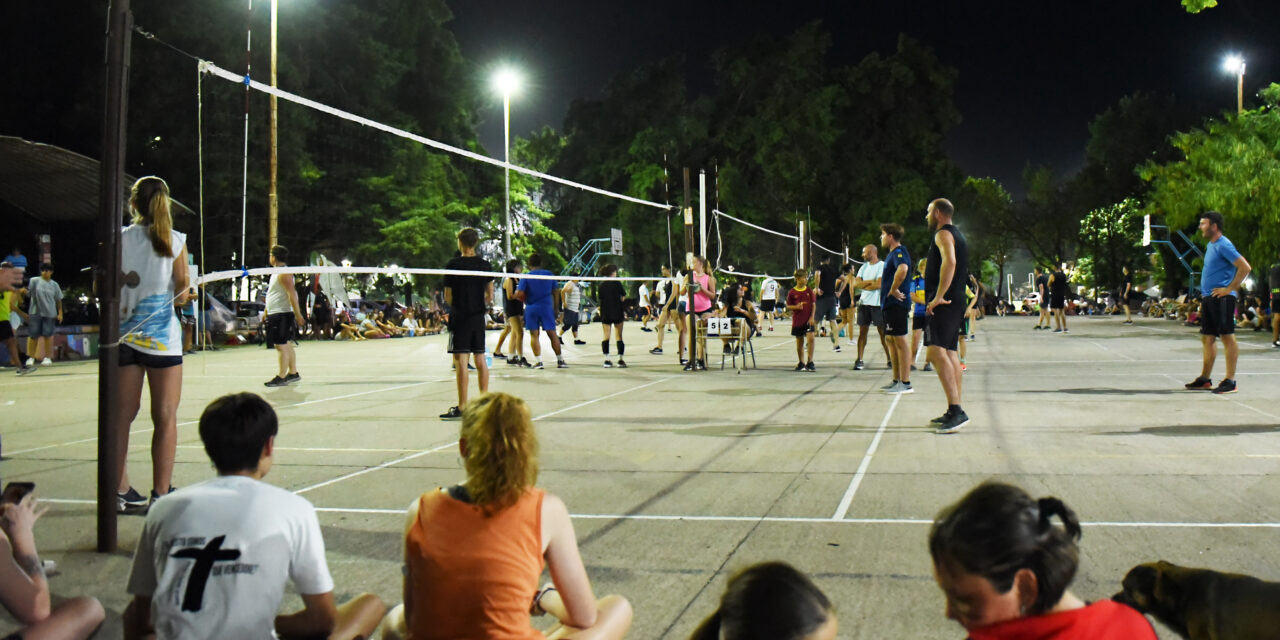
(541, 298)
(1224, 270)
(919, 319)
(895, 301)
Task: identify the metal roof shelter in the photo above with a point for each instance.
(52, 184)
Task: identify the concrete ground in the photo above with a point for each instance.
(677, 479)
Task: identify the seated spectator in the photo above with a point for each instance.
(474, 551)
(24, 591)
(387, 327)
(770, 601)
(1004, 567)
(409, 326)
(214, 557)
(369, 327)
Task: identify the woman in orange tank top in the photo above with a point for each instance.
(474, 551)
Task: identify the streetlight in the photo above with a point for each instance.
(1235, 64)
(507, 81)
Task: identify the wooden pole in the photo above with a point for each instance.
(110, 216)
(273, 204)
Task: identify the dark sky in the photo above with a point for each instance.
(1032, 73)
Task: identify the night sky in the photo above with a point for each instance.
(1032, 73)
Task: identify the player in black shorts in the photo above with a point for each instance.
(1126, 293)
(946, 271)
(612, 314)
(1058, 299)
(469, 297)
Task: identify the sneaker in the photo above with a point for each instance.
(657, 351)
(889, 387)
(727, 349)
(579, 342)
(836, 349)
(927, 367)
(646, 329)
(452, 414)
(888, 365)
(683, 361)
(292, 378)
(25, 369)
(130, 501)
(1057, 330)
(622, 364)
(513, 360)
(942, 418)
(31, 362)
(560, 364)
(1037, 327)
(608, 364)
(1199, 384)
(471, 367)
(799, 366)
(46, 362)
(525, 363)
(971, 338)
(1226, 386)
(905, 387)
(810, 367)
(538, 366)
(1066, 331)
(275, 382)
(859, 365)
(498, 355)
(702, 365)
(1127, 322)
(1276, 344)
(690, 366)
(953, 424)
(155, 497)
(913, 367)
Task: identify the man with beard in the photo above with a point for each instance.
(945, 274)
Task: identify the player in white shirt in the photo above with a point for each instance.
(769, 299)
(213, 558)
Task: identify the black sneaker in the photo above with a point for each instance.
(292, 378)
(498, 356)
(276, 382)
(1057, 330)
(452, 414)
(25, 369)
(927, 367)
(622, 364)
(579, 342)
(525, 363)
(1066, 331)
(859, 365)
(1199, 384)
(836, 349)
(513, 360)
(810, 367)
(1226, 386)
(727, 348)
(155, 497)
(690, 366)
(942, 418)
(560, 364)
(683, 361)
(799, 366)
(953, 424)
(608, 364)
(657, 351)
(913, 367)
(702, 365)
(538, 366)
(130, 502)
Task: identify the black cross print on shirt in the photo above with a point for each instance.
(193, 599)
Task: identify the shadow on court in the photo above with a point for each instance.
(1183, 430)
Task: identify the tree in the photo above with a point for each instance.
(1111, 236)
(1196, 6)
(1228, 165)
(987, 209)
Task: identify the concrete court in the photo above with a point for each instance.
(677, 479)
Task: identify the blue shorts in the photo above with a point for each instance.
(42, 326)
(539, 318)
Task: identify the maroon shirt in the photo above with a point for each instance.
(800, 317)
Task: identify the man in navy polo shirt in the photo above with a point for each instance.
(895, 301)
(1224, 270)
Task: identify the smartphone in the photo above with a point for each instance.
(15, 491)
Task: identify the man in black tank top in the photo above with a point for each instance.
(945, 274)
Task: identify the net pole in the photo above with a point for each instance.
(666, 199)
(115, 123)
(200, 319)
(804, 245)
(691, 319)
(244, 180)
(702, 212)
(273, 202)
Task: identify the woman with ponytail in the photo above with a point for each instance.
(1004, 567)
(474, 551)
(770, 601)
(154, 263)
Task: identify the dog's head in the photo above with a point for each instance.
(1155, 588)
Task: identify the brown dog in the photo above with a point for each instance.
(1201, 604)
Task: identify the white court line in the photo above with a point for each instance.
(781, 519)
(391, 463)
(281, 408)
(316, 449)
(1105, 348)
(866, 462)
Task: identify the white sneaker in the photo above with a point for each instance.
(46, 362)
(31, 362)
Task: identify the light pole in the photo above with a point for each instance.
(1235, 64)
(506, 81)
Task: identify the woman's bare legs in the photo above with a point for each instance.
(166, 393)
(612, 620)
(130, 379)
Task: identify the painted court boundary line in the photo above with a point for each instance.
(847, 500)
(782, 519)
(392, 463)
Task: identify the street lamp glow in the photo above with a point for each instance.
(1233, 64)
(506, 81)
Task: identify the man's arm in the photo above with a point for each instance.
(24, 590)
(286, 280)
(1242, 271)
(899, 275)
(448, 296)
(947, 270)
(318, 616)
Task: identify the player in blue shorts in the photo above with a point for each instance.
(541, 297)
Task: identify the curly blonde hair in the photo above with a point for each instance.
(502, 450)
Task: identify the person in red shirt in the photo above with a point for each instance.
(800, 302)
(1004, 567)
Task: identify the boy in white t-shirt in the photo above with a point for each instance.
(214, 557)
(769, 299)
